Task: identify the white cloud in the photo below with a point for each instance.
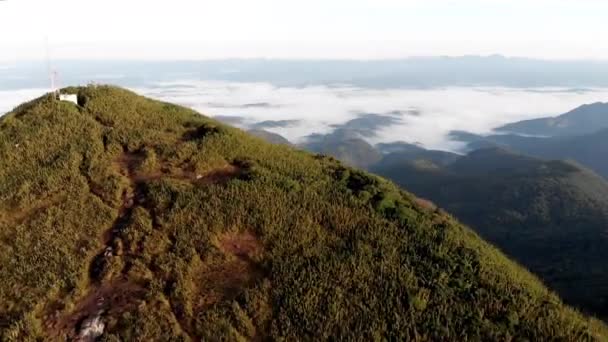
(317, 108)
(475, 110)
(10, 99)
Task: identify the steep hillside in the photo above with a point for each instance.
(139, 220)
(582, 120)
(551, 216)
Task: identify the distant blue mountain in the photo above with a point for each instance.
(580, 135)
(420, 72)
(582, 120)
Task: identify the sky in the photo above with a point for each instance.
(354, 29)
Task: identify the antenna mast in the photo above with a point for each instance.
(52, 73)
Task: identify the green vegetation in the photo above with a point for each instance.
(588, 149)
(171, 226)
(549, 215)
(582, 120)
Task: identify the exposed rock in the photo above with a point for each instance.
(91, 328)
(108, 252)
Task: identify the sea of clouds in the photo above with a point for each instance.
(12, 98)
(425, 116)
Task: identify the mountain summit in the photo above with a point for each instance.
(125, 218)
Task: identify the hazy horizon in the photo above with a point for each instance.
(495, 70)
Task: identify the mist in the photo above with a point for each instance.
(12, 98)
(425, 116)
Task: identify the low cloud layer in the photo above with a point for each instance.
(421, 115)
(9, 99)
(413, 115)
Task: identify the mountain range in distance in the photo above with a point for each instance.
(580, 135)
(415, 72)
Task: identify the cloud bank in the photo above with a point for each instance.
(425, 115)
(11, 98)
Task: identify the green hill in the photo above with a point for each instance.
(578, 135)
(269, 136)
(551, 216)
(587, 150)
(583, 120)
(346, 145)
(155, 223)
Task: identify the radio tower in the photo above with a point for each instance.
(52, 72)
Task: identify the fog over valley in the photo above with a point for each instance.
(424, 115)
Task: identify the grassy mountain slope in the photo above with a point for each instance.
(166, 225)
(579, 121)
(552, 216)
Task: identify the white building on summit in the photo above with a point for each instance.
(69, 97)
